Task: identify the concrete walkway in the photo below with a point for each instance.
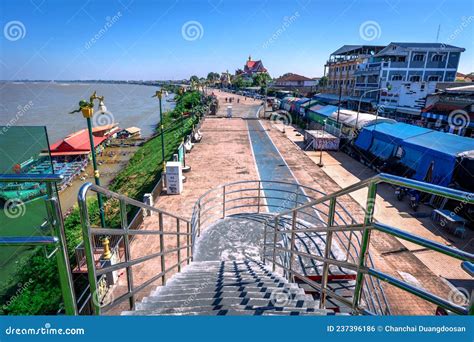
(225, 155)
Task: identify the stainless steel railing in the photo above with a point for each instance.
(361, 266)
(57, 240)
(168, 225)
(261, 200)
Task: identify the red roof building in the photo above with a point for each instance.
(78, 143)
(254, 67)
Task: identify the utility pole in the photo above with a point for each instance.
(339, 103)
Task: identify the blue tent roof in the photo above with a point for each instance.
(440, 143)
(391, 133)
(326, 110)
(437, 151)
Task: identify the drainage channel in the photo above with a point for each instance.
(272, 166)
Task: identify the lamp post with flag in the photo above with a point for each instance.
(159, 94)
(87, 110)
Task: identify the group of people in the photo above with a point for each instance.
(231, 99)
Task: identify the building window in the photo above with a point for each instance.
(439, 57)
(415, 78)
(418, 57)
(433, 79)
(397, 78)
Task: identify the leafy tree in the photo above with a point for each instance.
(261, 79)
(213, 76)
(194, 79)
(323, 82)
(240, 82)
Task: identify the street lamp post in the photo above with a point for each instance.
(159, 94)
(87, 109)
(360, 100)
(320, 164)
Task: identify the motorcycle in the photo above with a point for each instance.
(414, 199)
(400, 193)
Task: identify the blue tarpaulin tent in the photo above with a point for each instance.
(383, 139)
(433, 155)
(318, 113)
(299, 103)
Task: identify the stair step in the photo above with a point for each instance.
(220, 294)
(154, 302)
(207, 308)
(228, 288)
(233, 280)
(229, 312)
(192, 288)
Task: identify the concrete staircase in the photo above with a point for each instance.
(243, 287)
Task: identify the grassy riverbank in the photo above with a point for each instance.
(41, 293)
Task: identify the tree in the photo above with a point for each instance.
(194, 79)
(261, 79)
(240, 82)
(213, 76)
(323, 81)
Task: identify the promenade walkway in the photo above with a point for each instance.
(226, 154)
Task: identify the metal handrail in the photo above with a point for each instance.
(88, 232)
(55, 219)
(369, 225)
(214, 205)
(96, 188)
(394, 180)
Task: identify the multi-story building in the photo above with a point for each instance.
(400, 76)
(341, 65)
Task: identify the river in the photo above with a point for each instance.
(49, 104)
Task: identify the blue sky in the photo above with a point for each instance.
(144, 39)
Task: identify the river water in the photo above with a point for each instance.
(49, 104)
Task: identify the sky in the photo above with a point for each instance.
(169, 39)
